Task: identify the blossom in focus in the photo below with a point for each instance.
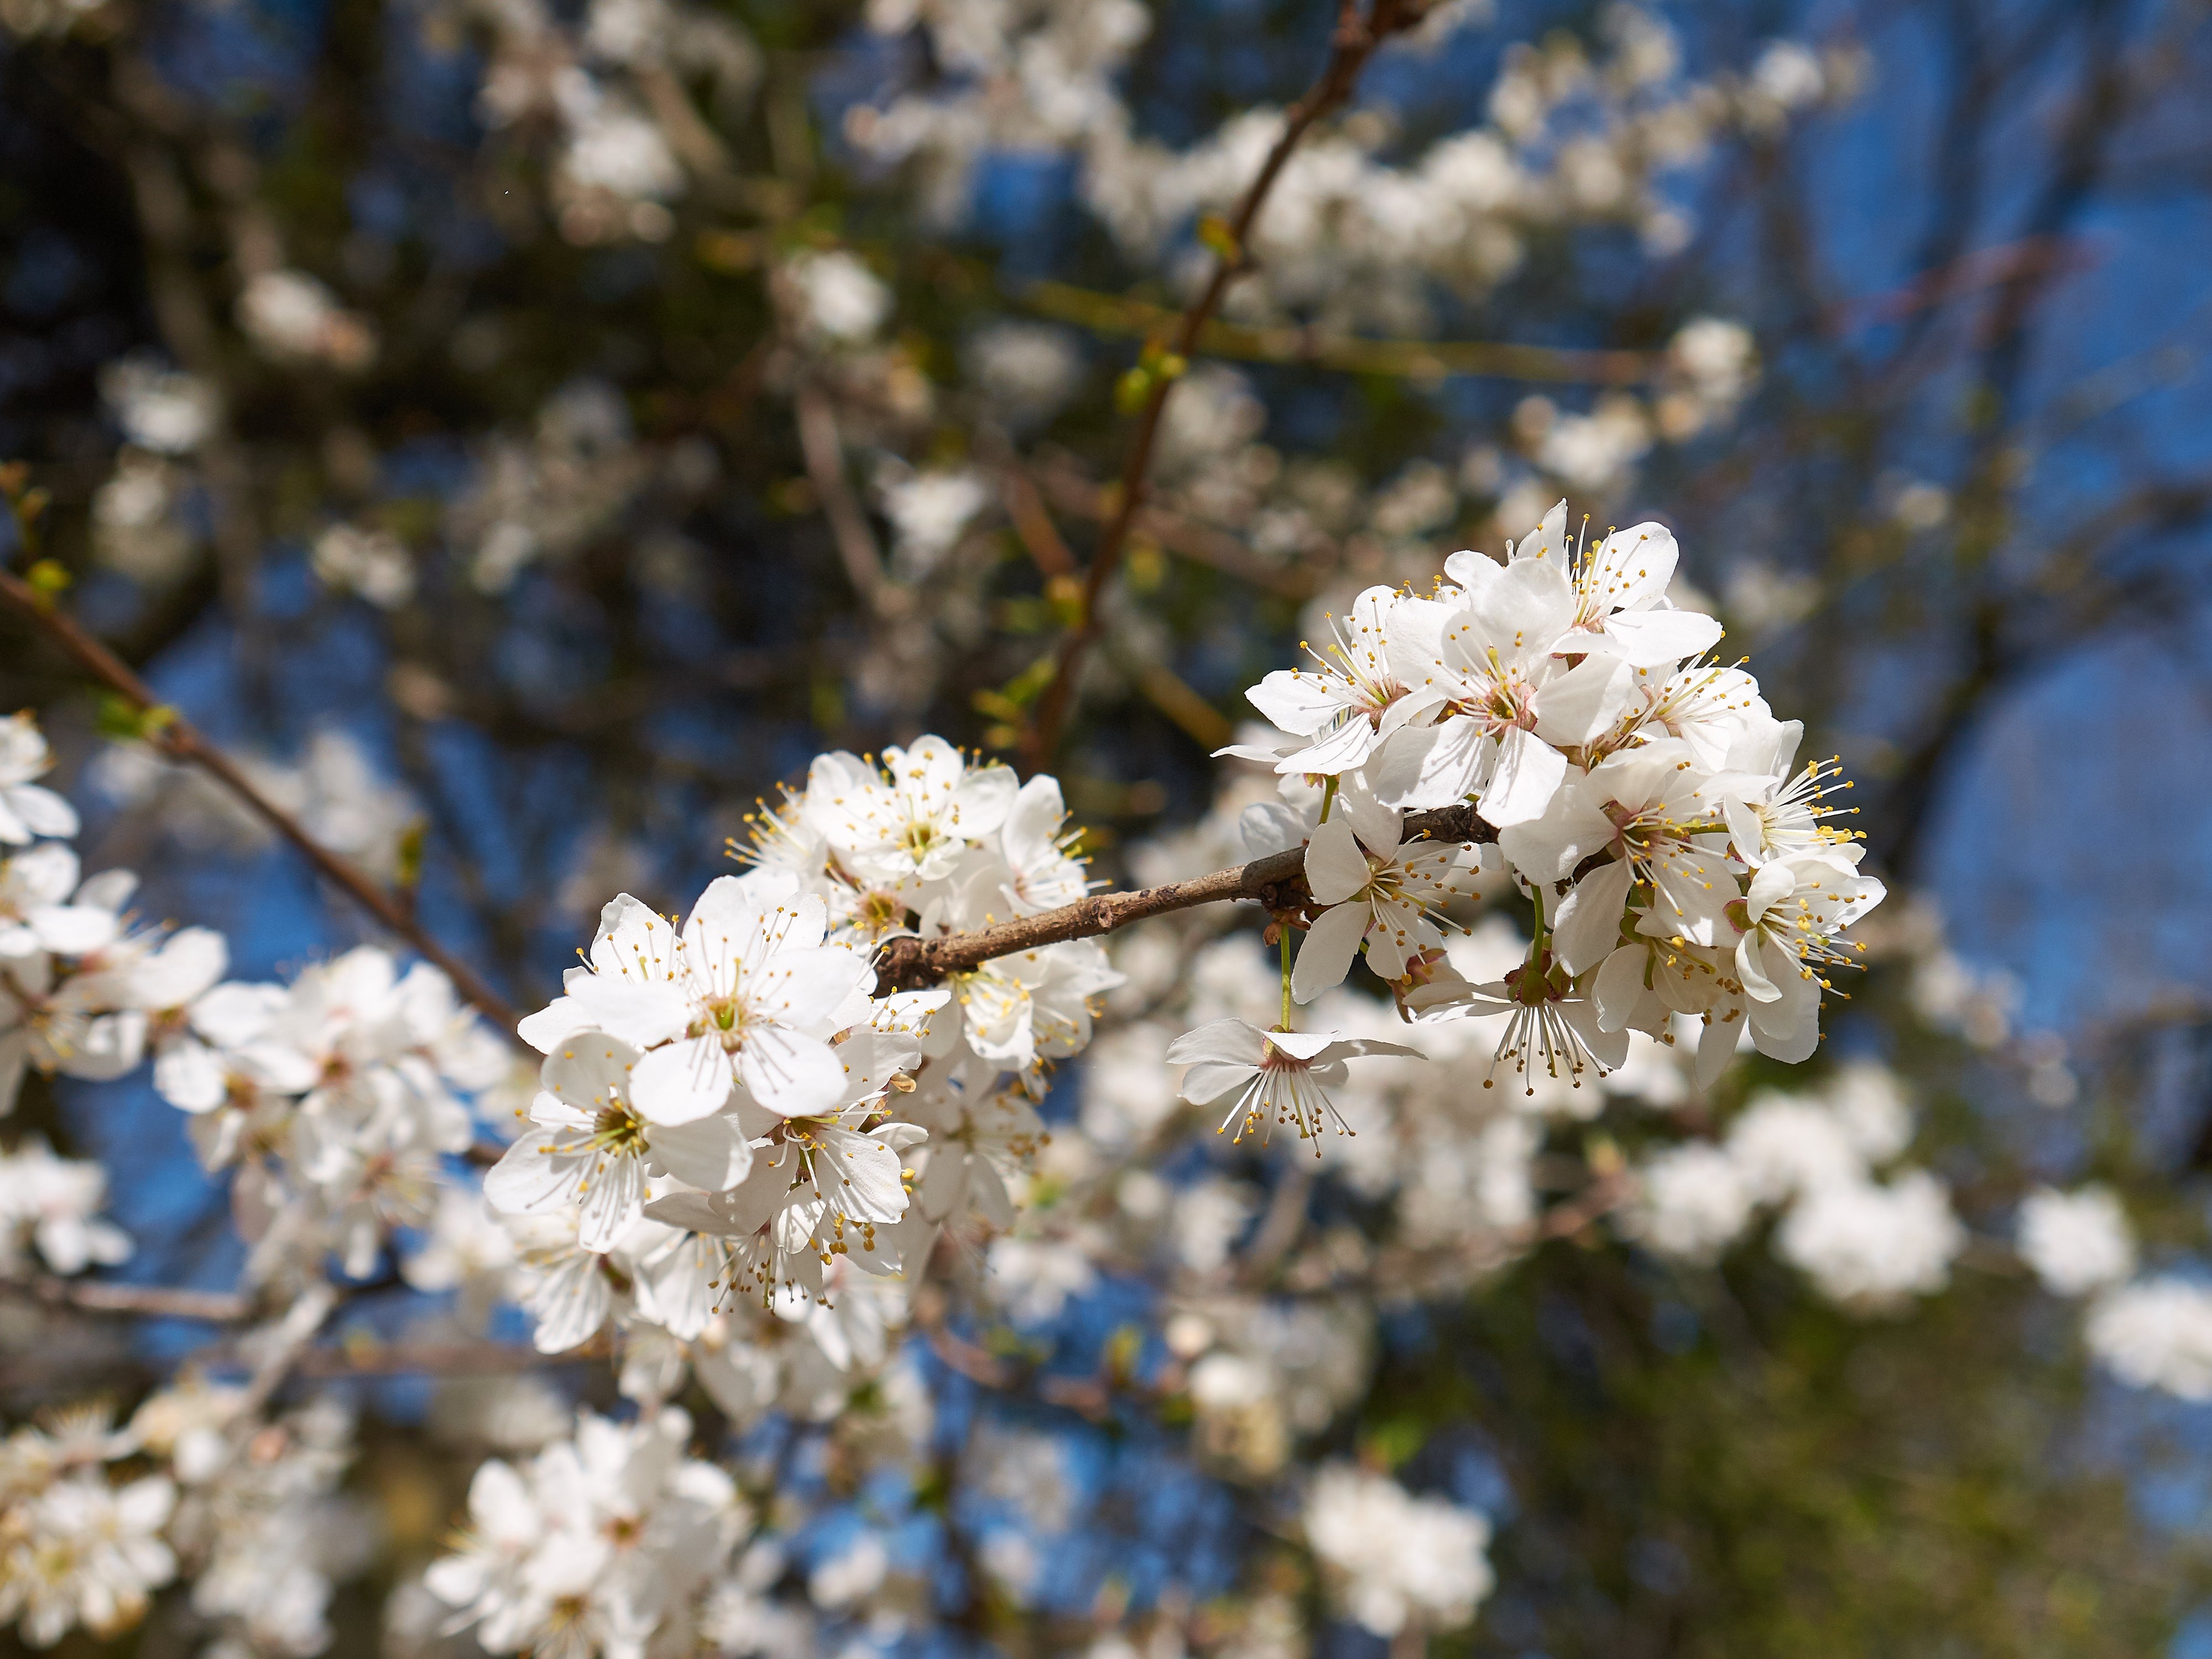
(1276, 1076)
(747, 995)
(1382, 894)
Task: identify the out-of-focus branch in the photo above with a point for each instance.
(825, 451)
(1114, 313)
(149, 1301)
(176, 736)
(457, 1358)
(1277, 879)
(1072, 492)
(1356, 38)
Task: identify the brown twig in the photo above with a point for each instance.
(178, 736)
(1275, 880)
(1356, 38)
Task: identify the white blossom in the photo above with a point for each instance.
(1396, 1559)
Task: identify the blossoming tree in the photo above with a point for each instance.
(974, 1212)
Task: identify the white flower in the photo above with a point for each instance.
(373, 563)
(928, 512)
(1359, 694)
(55, 1201)
(1028, 370)
(594, 1545)
(748, 996)
(1277, 1076)
(290, 314)
(1693, 1201)
(29, 810)
(1874, 1245)
(1039, 851)
(2077, 1242)
(82, 1553)
(622, 152)
(1514, 705)
(840, 299)
(1033, 1278)
(1383, 896)
(1552, 1029)
(164, 411)
(2156, 1334)
(1396, 1559)
(595, 1153)
(913, 817)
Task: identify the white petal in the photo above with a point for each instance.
(1425, 767)
(1618, 988)
(1300, 702)
(1649, 639)
(1335, 867)
(1325, 955)
(1582, 702)
(712, 1154)
(1587, 925)
(790, 1073)
(1527, 775)
(682, 1083)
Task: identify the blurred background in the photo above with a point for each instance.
(526, 431)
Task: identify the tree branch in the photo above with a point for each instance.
(178, 736)
(151, 1301)
(824, 452)
(1356, 38)
(1278, 880)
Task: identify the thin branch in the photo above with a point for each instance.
(178, 736)
(1356, 39)
(151, 1301)
(1277, 881)
(849, 524)
(461, 1358)
(1419, 360)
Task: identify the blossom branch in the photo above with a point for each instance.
(173, 734)
(1277, 880)
(1356, 38)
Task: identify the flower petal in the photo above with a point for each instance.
(682, 1083)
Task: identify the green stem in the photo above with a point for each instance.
(1283, 931)
(1327, 798)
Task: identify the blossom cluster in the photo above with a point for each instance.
(83, 991)
(1396, 1559)
(596, 1545)
(95, 1518)
(1866, 1243)
(733, 1111)
(1678, 859)
(335, 1100)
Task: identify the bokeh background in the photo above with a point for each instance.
(529, 432)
